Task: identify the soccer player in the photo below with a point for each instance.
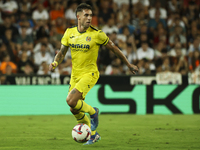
(84, 41)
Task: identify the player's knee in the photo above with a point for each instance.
(74, 111)
(70, 102)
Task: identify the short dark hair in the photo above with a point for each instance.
(82, 6)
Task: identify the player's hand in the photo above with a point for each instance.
(53, 66)
(133, 68)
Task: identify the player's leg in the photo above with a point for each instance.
(80, 117)
(74, 98)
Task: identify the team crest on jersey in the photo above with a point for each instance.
(88, 39)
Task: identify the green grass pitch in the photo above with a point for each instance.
(118, 132)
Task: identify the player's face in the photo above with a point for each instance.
(85, 18)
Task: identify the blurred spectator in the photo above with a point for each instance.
(173, 52)
(44, 69)
(3, 50)
(70, 14)
(173, 5)
(131, 41)
(9, 42)
(195, 46)
(125, 33)
(126, 23)
(182, 66)
(110, 27)
(25, 65)
(175, 20)
(95, 21)
(7, 66)
(144, 67)
(25, 47)
(140, 6)
(8, 7)
(163, 12)
(23, 37)
(144, 30)
(115, 68)
(195, 61)
(42, 56)
(54, 36)
(3, 80)
(60, 26)
(158, 50)
(41, 32)
(57, 11)
(143, 38)
(7, 24)
(177, 37)
(145, 3)
(24, 21)
(153, 22)
(134, 2)
(25, 7)
(145, 52)
(176, 59)
(140, 20)
(49, 47)
(106, 12)
(193, 32)
(160, 35)
(40, 15)
(121, 14)
(120, 2)
(35, 3)
(191, 12)
(166, 64)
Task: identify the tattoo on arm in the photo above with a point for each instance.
(73, 91)
(61, 54)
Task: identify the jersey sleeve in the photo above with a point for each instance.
(102, 38)
(64, 40)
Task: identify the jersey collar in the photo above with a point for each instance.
(83, 31)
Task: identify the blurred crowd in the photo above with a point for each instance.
(156, 35)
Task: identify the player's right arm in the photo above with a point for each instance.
(61, 54)
(59, 57)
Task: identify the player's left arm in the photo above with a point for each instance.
(110, 45)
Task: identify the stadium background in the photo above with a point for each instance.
(161, 37)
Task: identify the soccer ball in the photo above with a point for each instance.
(81, 133)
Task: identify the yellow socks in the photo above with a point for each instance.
(93, 132)
(82, 118)
(84, 107)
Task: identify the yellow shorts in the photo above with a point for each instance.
(84, 83)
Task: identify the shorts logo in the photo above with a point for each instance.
(88, 39)
(88, 86)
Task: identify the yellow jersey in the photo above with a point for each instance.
(84, 48)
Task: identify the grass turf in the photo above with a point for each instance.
(118, 132)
